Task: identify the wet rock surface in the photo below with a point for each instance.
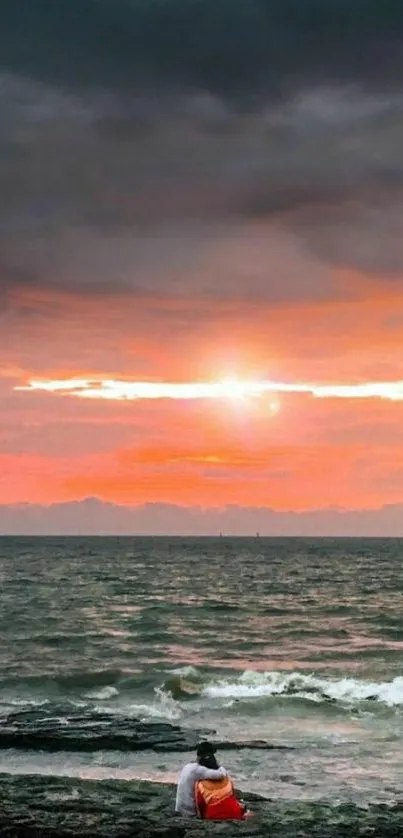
(55, 807)
(35, 730)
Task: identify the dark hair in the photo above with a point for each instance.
(209, 761)
(205, 755)
(205, 749)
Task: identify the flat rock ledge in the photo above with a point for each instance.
(57, 807)
(35, 730)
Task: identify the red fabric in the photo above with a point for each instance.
(229, 809)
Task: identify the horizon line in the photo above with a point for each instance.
(228, 537)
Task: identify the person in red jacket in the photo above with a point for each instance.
(216, 799)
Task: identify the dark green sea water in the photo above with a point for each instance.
(296, 641)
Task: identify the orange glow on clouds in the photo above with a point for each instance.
(293, 405)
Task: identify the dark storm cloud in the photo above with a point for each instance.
(139, 141)
(223, 46)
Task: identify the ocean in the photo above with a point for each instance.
(295, 641)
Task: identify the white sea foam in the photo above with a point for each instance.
(10, 703)
(164, 707)
(186, 672)
(103, 694)
(345, 690)
(155, 711)
(164, 710)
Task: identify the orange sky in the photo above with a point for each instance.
(310, 454)
(226, 204)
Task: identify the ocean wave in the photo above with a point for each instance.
(186, 672)
(162, 706)
(104, 694)
(107, 700)
(183, 688)
(70, 682)
(253, 685)
(15, 701)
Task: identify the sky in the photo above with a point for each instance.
(201, 258)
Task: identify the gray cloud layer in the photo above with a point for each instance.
(215, 147)
(93, 517)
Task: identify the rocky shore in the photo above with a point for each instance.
(89, 731)
(55, 807)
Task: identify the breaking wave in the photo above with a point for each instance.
(188, 684)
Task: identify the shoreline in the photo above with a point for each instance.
(38, 806)
(90, 731)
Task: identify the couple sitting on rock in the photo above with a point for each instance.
(206, 790)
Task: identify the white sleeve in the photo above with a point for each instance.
(202, 773)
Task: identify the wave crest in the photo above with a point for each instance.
(182, 689)
(253, 685)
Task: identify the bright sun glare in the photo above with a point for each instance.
(234, 389)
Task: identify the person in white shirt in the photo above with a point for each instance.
(191, 773)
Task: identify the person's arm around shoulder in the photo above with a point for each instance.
(203, 773)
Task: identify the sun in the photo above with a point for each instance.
(233, 388)
(248, 395)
